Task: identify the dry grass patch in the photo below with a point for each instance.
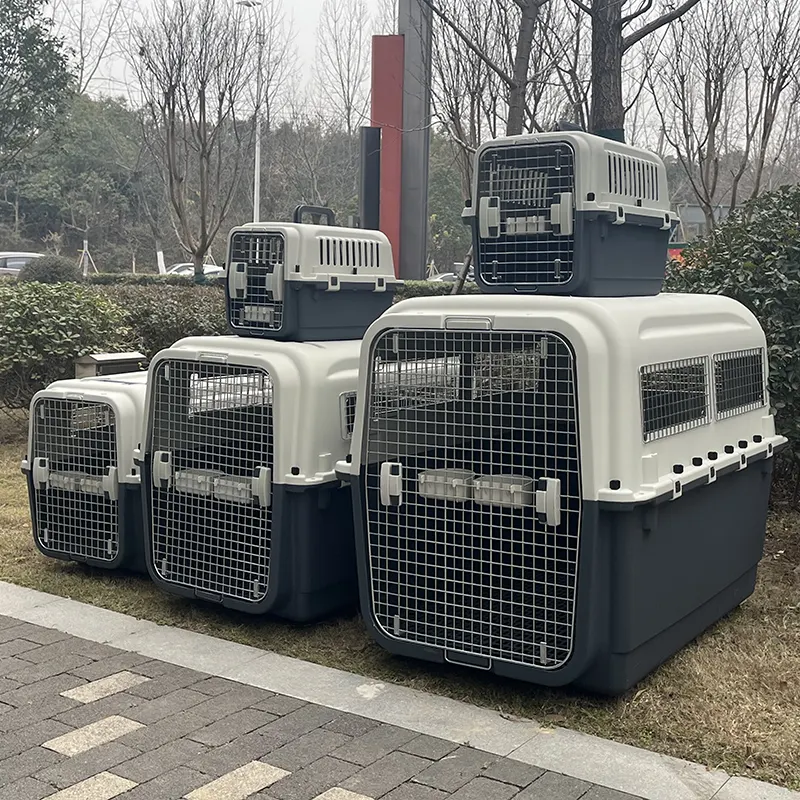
(729, 700)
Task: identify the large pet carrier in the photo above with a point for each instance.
(305, 282)
(243, 506)
(83, 485)
(569, 213)
(561, 490)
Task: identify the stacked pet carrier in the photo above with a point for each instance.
(242, 503)
(83, 485)
(566, 480)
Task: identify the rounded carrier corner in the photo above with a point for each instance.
(489, 533)
(222, 524)
(83, 505)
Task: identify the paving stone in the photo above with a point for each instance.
(351, 725)
(237, 724)
(176, 783)
(145, 767)
(223, 705)
(374, 745)
(30, 736)
(7, 685)
(102, 786)
(25, 789)
(312, 780)
(8, 622)
(239, 784)
(297, 723)
(163, 731)
(214, 686)
(82, 766)
(385, 774)
(108, 666)
(35, 672)
(27, 763)
(14, 647)
(105, 687)
(34, 692)
(416, 791)
(70, 646)
(485, 789)
(457, 769)
(429, 747)
(279, 704)
(153, 710)
(509, 771)
(12, 664)
(33, 633)
(307, 748)
(217, 761)
(161, 669)
(4, 708)
(552, 786)
(163, 685)
(89, 736)
(29, 714)
(601, 793)
(80, 714)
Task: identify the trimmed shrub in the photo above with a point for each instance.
(754, 257)
(50, 269)
(150, 279)
(43, 329)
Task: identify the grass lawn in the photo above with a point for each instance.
(730, 700)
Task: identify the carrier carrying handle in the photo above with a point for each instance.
(316, 213)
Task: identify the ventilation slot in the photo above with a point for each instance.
(739, 382)
(675, 397)
(632, 178)
(348, 409)
(348, 253)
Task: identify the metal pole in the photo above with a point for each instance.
(257, 165)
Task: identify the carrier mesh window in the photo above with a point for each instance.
(739, 381)
(73, 514)
(210, 531)
(348, 410)
(262, 252)
(474, 420)
(528, 180)
(675, 397)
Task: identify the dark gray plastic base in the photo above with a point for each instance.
(130, 553)
(312, 571)
(606, 260)
(311, 314)
(651, 578)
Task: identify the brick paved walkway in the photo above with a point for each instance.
(84, 721)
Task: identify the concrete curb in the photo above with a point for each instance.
(616, 766)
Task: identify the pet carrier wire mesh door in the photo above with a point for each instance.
(210, 504)
(473, 494)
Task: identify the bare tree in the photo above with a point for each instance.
(386, 18)
(194, 60)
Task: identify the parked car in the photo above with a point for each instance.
(187, 269)
(11, 263)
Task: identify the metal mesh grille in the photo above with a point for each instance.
(675, 397)
(740, 382)
(74, 516)
(212, 428)
(262, 253)
(472, 420)
(348, 410)
(527, 180)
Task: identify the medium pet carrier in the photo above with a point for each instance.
(242, 505)
(82, 483)
(569, 213)
(556, 489)
(305, 282)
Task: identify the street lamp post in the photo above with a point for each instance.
(259, 89)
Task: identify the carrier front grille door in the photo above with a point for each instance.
(473, 493)
(256, 262)
(212, 446)
(75, 476)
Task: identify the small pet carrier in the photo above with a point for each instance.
(569, 213)
(82, 483)
(242, 504)
(306, 282)
(556, 489)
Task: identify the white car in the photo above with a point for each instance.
(12, 262)
(186, 269)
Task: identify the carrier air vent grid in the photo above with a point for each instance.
(263, 253)
(74, 514)
(348, 409)
(213, 446)
(476, 423)
(353, 253)
(739, 382)
(674, 396)
(528, 180)
(632, 178)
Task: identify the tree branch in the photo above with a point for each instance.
(657, 23)
(582, 6)
(643, 9)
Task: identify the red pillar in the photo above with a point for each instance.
(387, 114)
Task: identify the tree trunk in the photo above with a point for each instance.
(522, 60)
(199, 273)
(608, 111)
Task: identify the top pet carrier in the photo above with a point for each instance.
(82, 482)
(242, 504)
(559, 489)
(305, 282)
(569, 213)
